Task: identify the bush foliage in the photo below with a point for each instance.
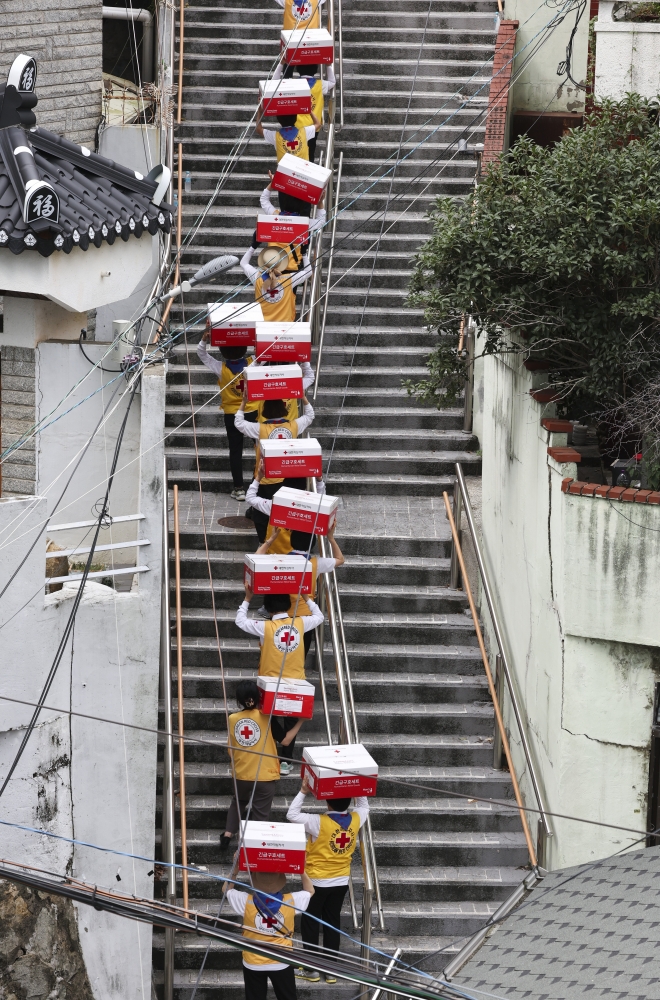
(557, 249)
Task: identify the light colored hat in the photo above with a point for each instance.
(271, 257)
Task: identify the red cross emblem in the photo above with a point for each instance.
(293, 145)
(343, 840)
(287, 638)
(247, 732)
(239, 386)
(270, 922)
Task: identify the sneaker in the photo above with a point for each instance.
(238, 494)
(262, 613)
(285, 767)
(311, 975)
(330, 979)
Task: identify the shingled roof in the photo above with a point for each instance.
(586, 932)
(55, 195)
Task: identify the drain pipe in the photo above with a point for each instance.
(146, 18)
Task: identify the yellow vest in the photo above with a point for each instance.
(304, 14)
(317, 105)
(283, 635)
(250, 728)
(277, 304)
(231, 391)
(280, 546)
(277, 930)
(329, 856)
(287, 429)
(303, 606)
(296, 146)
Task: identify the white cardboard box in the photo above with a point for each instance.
(272, 847)
(278, 574)
(300, 178)
(304, 46)
(285, 97)
(339, 772)
(302, 510)
(274, 382)
(234, 324)
(279, 228)
(291, 458)
(283, 342)
(286, 696)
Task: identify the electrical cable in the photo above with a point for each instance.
(76, 604)
(59, 500)
(94, 364)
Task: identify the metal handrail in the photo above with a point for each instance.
(179, 678)
(545, 830)
(168, 842)
(341, 64)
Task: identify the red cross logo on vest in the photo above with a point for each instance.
(340, 841)
(286, 638)
(247, 732)
(270, 921)
(239, 386)
(293, 145)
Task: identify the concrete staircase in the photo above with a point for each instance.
(422, 702)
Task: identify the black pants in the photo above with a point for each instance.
(312, 149)
(283, 980)
(326, 903)
(261, 803)
(235, 441)
(268, 491)
(280, 726)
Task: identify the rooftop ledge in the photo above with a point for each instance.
(625, 493)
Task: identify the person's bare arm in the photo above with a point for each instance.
(291, 735)
(264, 548)
(316, 120)
(258, 127)
(307, 883)
(336, 551)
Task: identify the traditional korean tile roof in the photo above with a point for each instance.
(99, 200)
(590, 931)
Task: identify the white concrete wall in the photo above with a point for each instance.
(537, 88)
(81, 779)
(577, 588)
(627, 56)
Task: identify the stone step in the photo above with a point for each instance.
(475, 717)
(361, 579)
(345, 483)
(399, 784)
(363, 419)
(392, 749)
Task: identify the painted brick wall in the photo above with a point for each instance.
(498, 96)
(66, 38)
(17, 416)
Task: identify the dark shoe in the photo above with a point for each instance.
(224, 842)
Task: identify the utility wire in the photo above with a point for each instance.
(102, 517)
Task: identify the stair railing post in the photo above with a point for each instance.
(498, 751)
(168, 842)
(179, 676)
(454, 567)
(469, 380)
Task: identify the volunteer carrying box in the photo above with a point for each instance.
(300, 178)
(278, 574)
(274, 382)
(233, 324)
(306, 46)
(285, 97)
(283, 342)
(300, 510)
(286, 697)
(289, 458)
(320, 767)
(291, 229)
(272, 847)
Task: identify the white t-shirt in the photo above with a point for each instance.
(238, 901)
(269, 134)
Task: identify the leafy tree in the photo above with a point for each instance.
(557, 254)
